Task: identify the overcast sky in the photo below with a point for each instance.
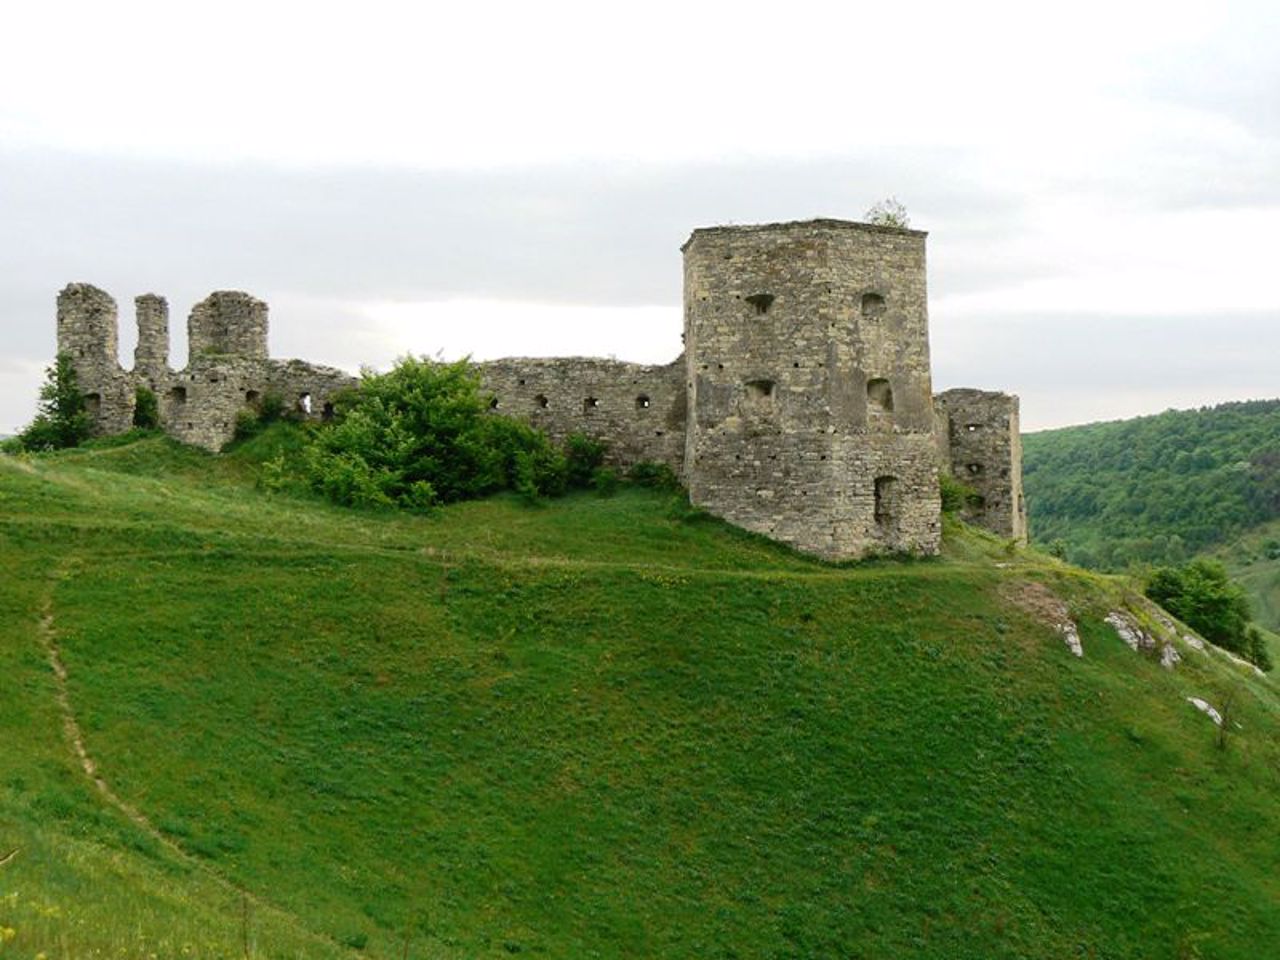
(1101, 181)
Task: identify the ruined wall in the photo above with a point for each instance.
(638, 411)
(981, 444)
(228, 323)
(810, 409)
(228, 370)
(201, 403)
(802, 408)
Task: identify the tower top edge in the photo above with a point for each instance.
(800, 226)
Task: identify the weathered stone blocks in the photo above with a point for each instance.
(980, 442)
(801, 408)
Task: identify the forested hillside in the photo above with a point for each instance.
(1154, 489)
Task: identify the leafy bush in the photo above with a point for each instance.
(146, 409)
(423, 434)
(256, 417)
(584, 457)
(62, 419)
(656, 476)
(889, 212)
(956, 495)
(1201, 595)
(605, 481)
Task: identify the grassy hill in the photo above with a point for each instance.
(605, 727)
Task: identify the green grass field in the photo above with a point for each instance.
(603, 727)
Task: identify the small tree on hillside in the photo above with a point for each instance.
(62, 420)
(1202, 595)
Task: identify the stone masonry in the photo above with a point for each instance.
(981, 444)
(801, 409)
(227, 369)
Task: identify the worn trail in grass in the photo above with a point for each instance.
(600, 728)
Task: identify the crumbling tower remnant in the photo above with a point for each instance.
(980, 440)
(88, 332)
(810, 412)
(151, 355)
(229, 371)
(228, 323)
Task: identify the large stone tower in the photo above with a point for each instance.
(810, 411)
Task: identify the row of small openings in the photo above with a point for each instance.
(879, 393)
(589, 404)
(873, 304)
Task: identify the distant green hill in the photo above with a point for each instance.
(603, 727)
(1254, 562)
(1154, 489)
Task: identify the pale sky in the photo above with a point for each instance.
(1101, 181)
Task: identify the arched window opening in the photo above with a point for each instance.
(879, 396)
(761, 301)
(326, 412)
(93, 404)
(873, 305)
(590, 405)
(975, 469)
(642, 402)
(759, 395)
(178, 396)
(251, 398)
(541, 401)
(304, 403)
(494, 403)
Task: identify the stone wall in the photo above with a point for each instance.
(802, 408)
(811, 419)
(638, 411)
(980, 442)
(198, 404)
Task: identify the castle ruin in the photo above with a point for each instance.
(801, 408)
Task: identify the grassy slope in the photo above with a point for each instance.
(591, 729)
(1249, 565)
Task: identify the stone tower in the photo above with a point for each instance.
(228, 323)
(980, 441)
(151, 355)
(810, 415)
(88, 332)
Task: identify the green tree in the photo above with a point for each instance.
(424, 433)
(62, 419)
(1201, 595)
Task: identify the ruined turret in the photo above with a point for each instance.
(810, 410)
